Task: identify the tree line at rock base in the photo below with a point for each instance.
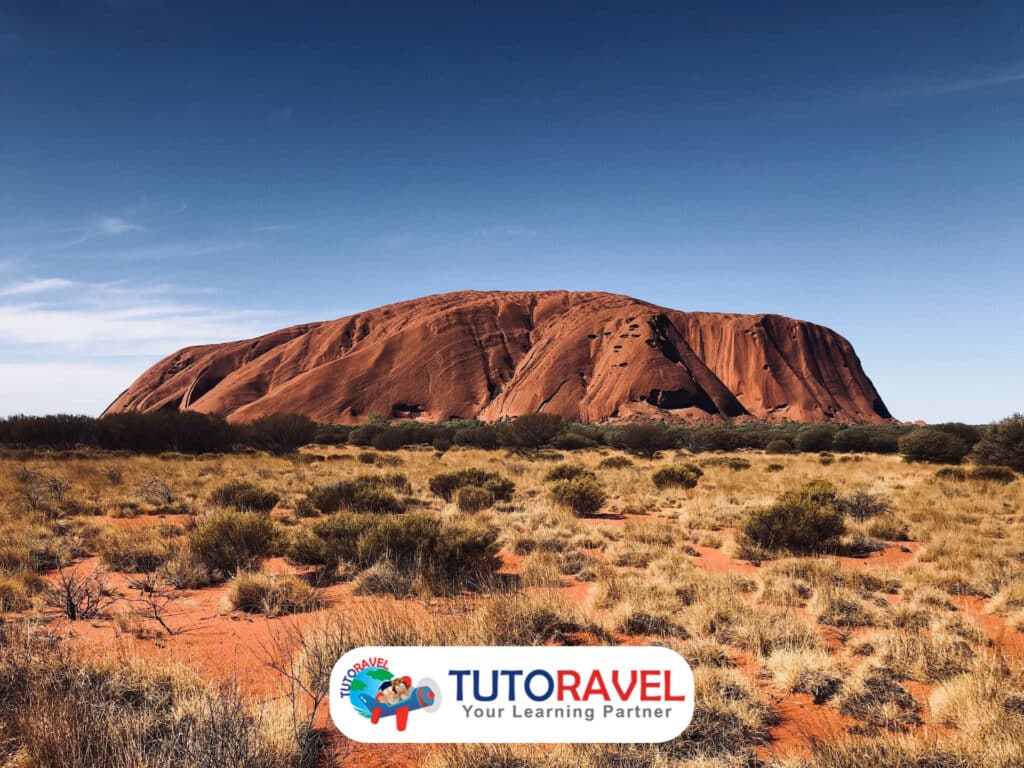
(1000, 443)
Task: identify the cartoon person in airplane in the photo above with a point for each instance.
(397, 697)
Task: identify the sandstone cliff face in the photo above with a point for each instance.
(490, 355)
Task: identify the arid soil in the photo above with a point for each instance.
(953, 579)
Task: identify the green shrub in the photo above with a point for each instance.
(582, 495)
(567, 472)
(446, 553)
(529, 432)
(774, 467)
(446, 484)
(383, 578)
(483, 436)
(677, 476)
(615, 462)
(245, 497)
(280, 433)
(1002, 444)
(138, 551)
(865, 440)
(644, 439)
(801, 520)
(778, 446)
(388, 439)
(952, 474)
(471, 498)
(227, 542)
(367, 493)
(933, 445)
(862, 505)
(271, 595)
(993, 474)
(735, 463)
(572, 441)
(813, 439)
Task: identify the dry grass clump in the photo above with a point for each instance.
(473, 499)
(228, 542)
(633, 619)
(271, 595)
(840, 607)
(140, 550)
(523, 619)
(926, 657)
(704, 652)
(985, 699)
(894, 751)
(766, 632)
(813, 672)
(1010, 599)
(583, 496)
(731, 717)
(63, 712)
(446, 555)
(245, 497)
(873, 696)
(785, 591)
(542, 569)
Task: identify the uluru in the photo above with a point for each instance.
(586, 356)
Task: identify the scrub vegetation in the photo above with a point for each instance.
(852, 598)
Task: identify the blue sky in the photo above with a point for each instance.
(183, 172)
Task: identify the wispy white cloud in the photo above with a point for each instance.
(184, 249)
(115, 225)
(36, 285)
(115, 319)
(923, 88)
(75, 351)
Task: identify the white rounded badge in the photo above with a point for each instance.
(463, 694)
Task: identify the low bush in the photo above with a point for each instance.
(60, 710)
(865, 440)
(735, 463)
(615, 462)
(934, 445)
(861, 505)
(952, 474)
(471, 499)
(448, 554)
(993, 474)
(367, 493)
(446, 484)
(582, 495)
(271, 595)
(245, 497)
(1002, 444)
(280, 433)
(644, 439)
(134, 551)
(677, 476)
(801, 520)
(567, 472)
(228, 542)
(814, 439)
(572, 441)
(778, 446)
(774, 467)
(529, 432)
